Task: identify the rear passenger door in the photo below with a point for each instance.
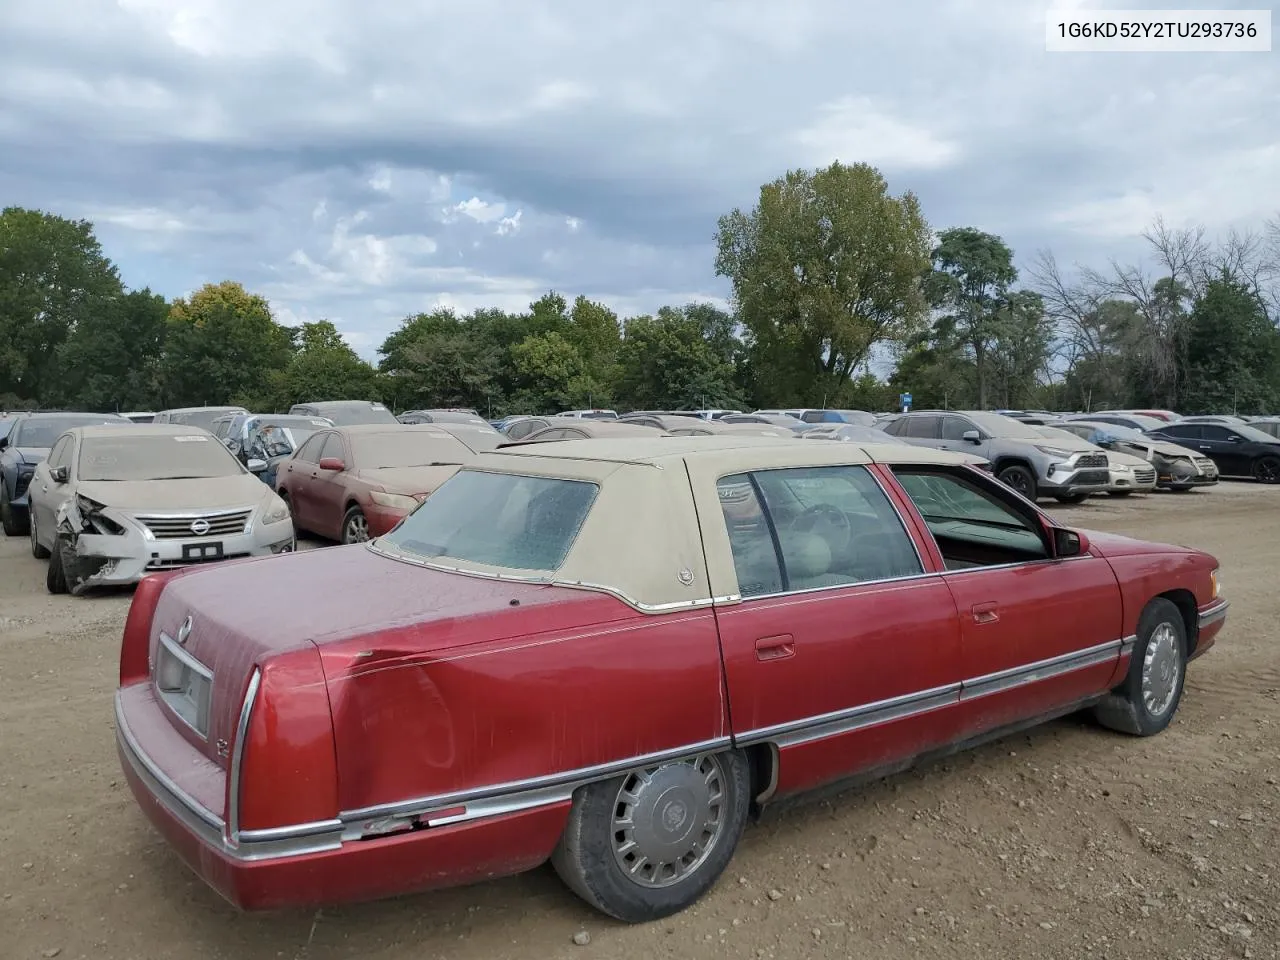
(841, 652)
(921, 430)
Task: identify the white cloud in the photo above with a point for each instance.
(480, 211)
(509, 225)
(853, 129)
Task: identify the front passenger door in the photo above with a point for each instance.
(1038, 632)
(1226, 448)
(46, 497)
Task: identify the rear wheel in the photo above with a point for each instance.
(355, 526)
(1020, 479)
(37, 551)
(1145, 703)
(1267, 470)
(651, 842)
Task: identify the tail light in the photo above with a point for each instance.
(283, 765)
(136, 644)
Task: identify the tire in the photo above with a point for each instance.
(592, 850)
(1119, 493)
(1071, 497)
(297, 531)
(1267, 470)
(355, 527)
(1145, 711)
(37, 550)
(1021, 479)
(55, 578)
(13, 527)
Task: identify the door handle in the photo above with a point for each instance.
(985, 612)
(45, 488)
(776, 648)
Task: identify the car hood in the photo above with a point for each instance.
(213, 493)
(1127, 459)
(1066, 442)
(409, 480)
(32, 454)
(1114, 545)
(1163, 447)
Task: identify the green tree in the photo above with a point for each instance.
(667, 362)
(1233, 352)
(442, 360)
(827, 265)
(323, 368)
(53, 276)
(1021, 338)
(111, 360)
(222, 345)
(969, 284)
(552, 375)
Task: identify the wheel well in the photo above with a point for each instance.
(351, 502)
(1185, 601)
(1002, 462)
(763, 760)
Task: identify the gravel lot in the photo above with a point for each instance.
(1068, 842)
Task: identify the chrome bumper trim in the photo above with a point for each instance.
(1213, 613)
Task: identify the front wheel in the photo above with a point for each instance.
(355, 526)
(650, 843)
(1020, 479)
(55, 576)
(1145, 703)
(1267, 470)
(13, 527)
(38, 551)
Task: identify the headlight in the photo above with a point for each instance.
(275, 511)
(1054, 451)
(396, 501)
(1213, 579)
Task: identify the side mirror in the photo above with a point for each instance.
(256, 466)
(332, 463)
(59, 474)
(971, 436)
(1068, 543)
(1234, 438)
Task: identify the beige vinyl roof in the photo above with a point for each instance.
(641, 540)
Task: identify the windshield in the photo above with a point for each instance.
(407, 448)
(277, 436)
(1004, 427)
(353, 415)
(44, 431)
(164, 457)
(202, 418)
(498, 519)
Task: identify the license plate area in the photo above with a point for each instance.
(184, 684)
(195, 552)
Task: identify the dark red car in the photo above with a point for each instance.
(607, 653)
(353, 483)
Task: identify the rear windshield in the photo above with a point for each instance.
(166, 457)
(351, 416)
(201, 418)
(408, 448)
(43, 432)
(498, 519)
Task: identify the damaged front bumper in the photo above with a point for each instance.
(92, 558)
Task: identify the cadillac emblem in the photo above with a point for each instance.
(184, 631)
(200, 527)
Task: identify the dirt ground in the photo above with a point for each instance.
(1068, 842)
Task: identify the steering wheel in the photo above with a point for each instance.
(828, 522)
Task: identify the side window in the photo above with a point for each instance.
(970, 522)
(954, 428)
(925, 428)
(60, 455)
(894, 427)
(819, 527)
(1185, 431)
(333, 447)
(310, 451)
(1211, 431)
(755, 557)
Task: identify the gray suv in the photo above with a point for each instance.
(1020, 455)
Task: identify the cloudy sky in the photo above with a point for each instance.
(365, 159)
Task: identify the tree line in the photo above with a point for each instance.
(831, 273)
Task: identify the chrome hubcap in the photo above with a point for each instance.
(357, 529)
(668, 819)
(1161, 670)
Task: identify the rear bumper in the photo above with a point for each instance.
(312, 864)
